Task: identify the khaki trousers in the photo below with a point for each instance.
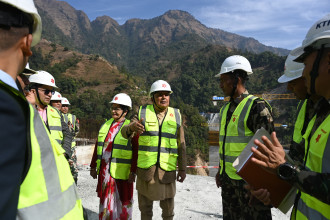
(145, 206)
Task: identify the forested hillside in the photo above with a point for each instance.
(137, 42)
(94, 60)
(90, 82)
(193, 82)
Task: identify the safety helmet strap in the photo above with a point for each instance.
(37, 86)
(234, 84)
(315, 70)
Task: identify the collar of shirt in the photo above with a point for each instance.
(238, 99)
(160, 115)
(6, 78)
(43, 114)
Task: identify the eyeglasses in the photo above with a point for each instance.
(115, 109)
(47, 91)
(161, 94)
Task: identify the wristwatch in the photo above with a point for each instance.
(287, 171)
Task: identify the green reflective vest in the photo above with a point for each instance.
(299, 124)
(234, 137)
(72, 119)
(48, 191)
(121, 156)
(159, 142)
(318, 160)
(54, 124)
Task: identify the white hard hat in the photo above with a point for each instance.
(28, 7)
(235, 62)
(57, 96)
(65, 101)
(160, 85)
(122, 99)
(43, 78)
(27, 71)
(292, 70)
(317, 35)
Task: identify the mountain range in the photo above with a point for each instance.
(137, 41)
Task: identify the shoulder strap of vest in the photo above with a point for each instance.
(108, 122)
(261, 99)
(73, 120)
(177, 116)
(300, 104)
(49, 106)
(143, 113)
(66, 118)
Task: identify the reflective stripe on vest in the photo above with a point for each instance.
(66, 118)
(48, 191)
(236, 136)
(299, 124)
(318, 160)
(121, 155)
(159, 141)
(54, 124)
(72, 119)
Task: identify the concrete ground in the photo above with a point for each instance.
(197, 197)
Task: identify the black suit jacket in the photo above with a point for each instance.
(13, 148)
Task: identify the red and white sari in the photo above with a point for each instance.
(116, 196)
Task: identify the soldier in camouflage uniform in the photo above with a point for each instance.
(312, 178)
(73, 125)
(239, 120)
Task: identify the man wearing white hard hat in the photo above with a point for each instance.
(36, 179)
(312, 178)
(239, 120)
(73, 124)
(56, 101)
(161, 148)
(306, 108)
(42, 84)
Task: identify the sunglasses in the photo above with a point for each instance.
(47, 91)
(115, 109)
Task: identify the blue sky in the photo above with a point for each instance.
(278, 23)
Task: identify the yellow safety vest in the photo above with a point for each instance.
(159, 142)
(121, 156)
(299, 124)
(54, 124)
(234, 138)
(48, 191)
(70, 118)
(318, 160)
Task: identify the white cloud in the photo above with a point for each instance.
(280, 23)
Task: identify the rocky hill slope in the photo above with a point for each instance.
(137, 41)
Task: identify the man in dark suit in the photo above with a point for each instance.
(20, 28)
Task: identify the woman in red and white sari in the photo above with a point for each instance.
(114, 161)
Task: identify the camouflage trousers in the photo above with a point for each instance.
(73, 164)
(235, 202)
